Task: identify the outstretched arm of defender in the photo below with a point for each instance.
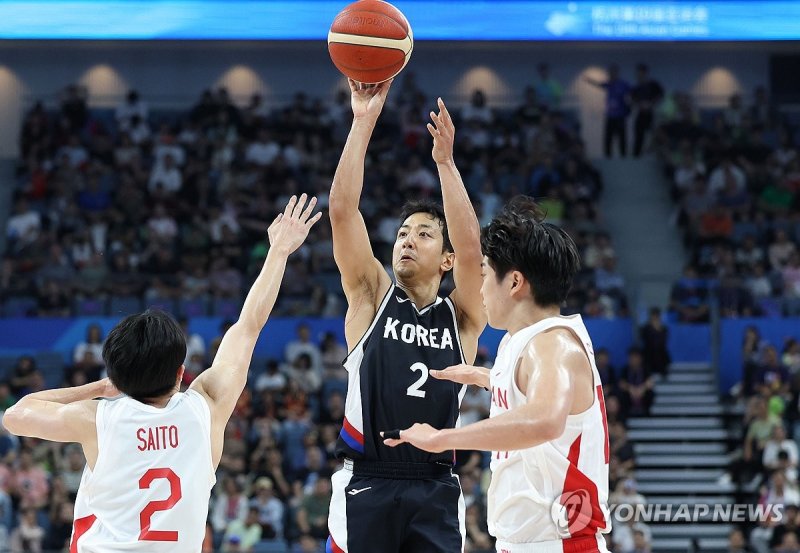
(223, 383)
(464, 374)
(548, 366)
(351, 246)
(463, 227)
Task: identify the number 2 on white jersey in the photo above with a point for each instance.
(146, 534)
(414, 389)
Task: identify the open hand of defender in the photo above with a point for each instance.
(367, 100)
(422, 436)
(443, 132)
(290, 228)
(463, 374)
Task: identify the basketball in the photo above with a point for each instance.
(370, 41)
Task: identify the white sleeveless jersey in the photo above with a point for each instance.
(557, 490)
(150, 486)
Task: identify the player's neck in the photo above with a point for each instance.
(527, 313)
(421, 293)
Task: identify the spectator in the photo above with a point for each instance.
(773, 378)
(165, 179)
(636, 386)
(228, 506)
(758, 433)
(24, 377)
(779, 442)
(270, 509)
(654, 343)
(645, 95)
(132, 106)
(195, 345)
(303, 344)
(607, 374)
(60, 531)
(29, 486)
(312, 516)
(22, 228)
(93, 344)
(244, 533)
(477, 111)
(689, 297)
(273, 380)
(781, 250)
(548, 89)
(617, 109)
(727, 174)
(28, 536)
(737, 542)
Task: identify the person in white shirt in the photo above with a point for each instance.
(547, 428)
(264, 151)
(166, 176)
(726, 171)
(303, 344)
(779, 442)
(93, 344)
(23, 227)
(132, 106)
(152, 453)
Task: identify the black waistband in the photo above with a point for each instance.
(400, 471)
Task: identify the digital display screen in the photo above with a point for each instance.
(711, 20)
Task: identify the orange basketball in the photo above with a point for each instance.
(370, 41)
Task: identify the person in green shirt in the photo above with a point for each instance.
(242, 535)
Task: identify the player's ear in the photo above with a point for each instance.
(448, 260)
(181, 370)
(517, 282)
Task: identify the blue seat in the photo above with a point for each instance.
(165, 304)
(270, 546)
(190, 308)
(124, 305)
(90, 307)
(227, 308)
(20, 306)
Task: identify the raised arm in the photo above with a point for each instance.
(223, 382)
(464, 230)
(362, 274)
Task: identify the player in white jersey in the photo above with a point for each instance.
(151, 454)
(547, 428)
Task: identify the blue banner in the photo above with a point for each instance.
(31, 336)
(430, 19)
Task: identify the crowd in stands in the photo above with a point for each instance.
(139, 206)
(766, 460)
(273, 483)
(735, 176)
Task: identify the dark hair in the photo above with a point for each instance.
(435, 210)
(143, 354)
(518, 239)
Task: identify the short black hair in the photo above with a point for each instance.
(143, 353)
(435, 210)
(518, 239)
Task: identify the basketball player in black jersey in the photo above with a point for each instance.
(397, 329)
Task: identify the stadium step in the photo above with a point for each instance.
(691, 501)
(689, 367)
(714, 448)
(682, 458)
(693, 530)
(688, 389)
(674, 422)
(673, 461)
(689, 475)
(686, 410)
(684, 487)
(698, 378)
(685, 399)
(682, 545)
(678, 435)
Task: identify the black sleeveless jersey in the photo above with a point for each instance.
(388, 382)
